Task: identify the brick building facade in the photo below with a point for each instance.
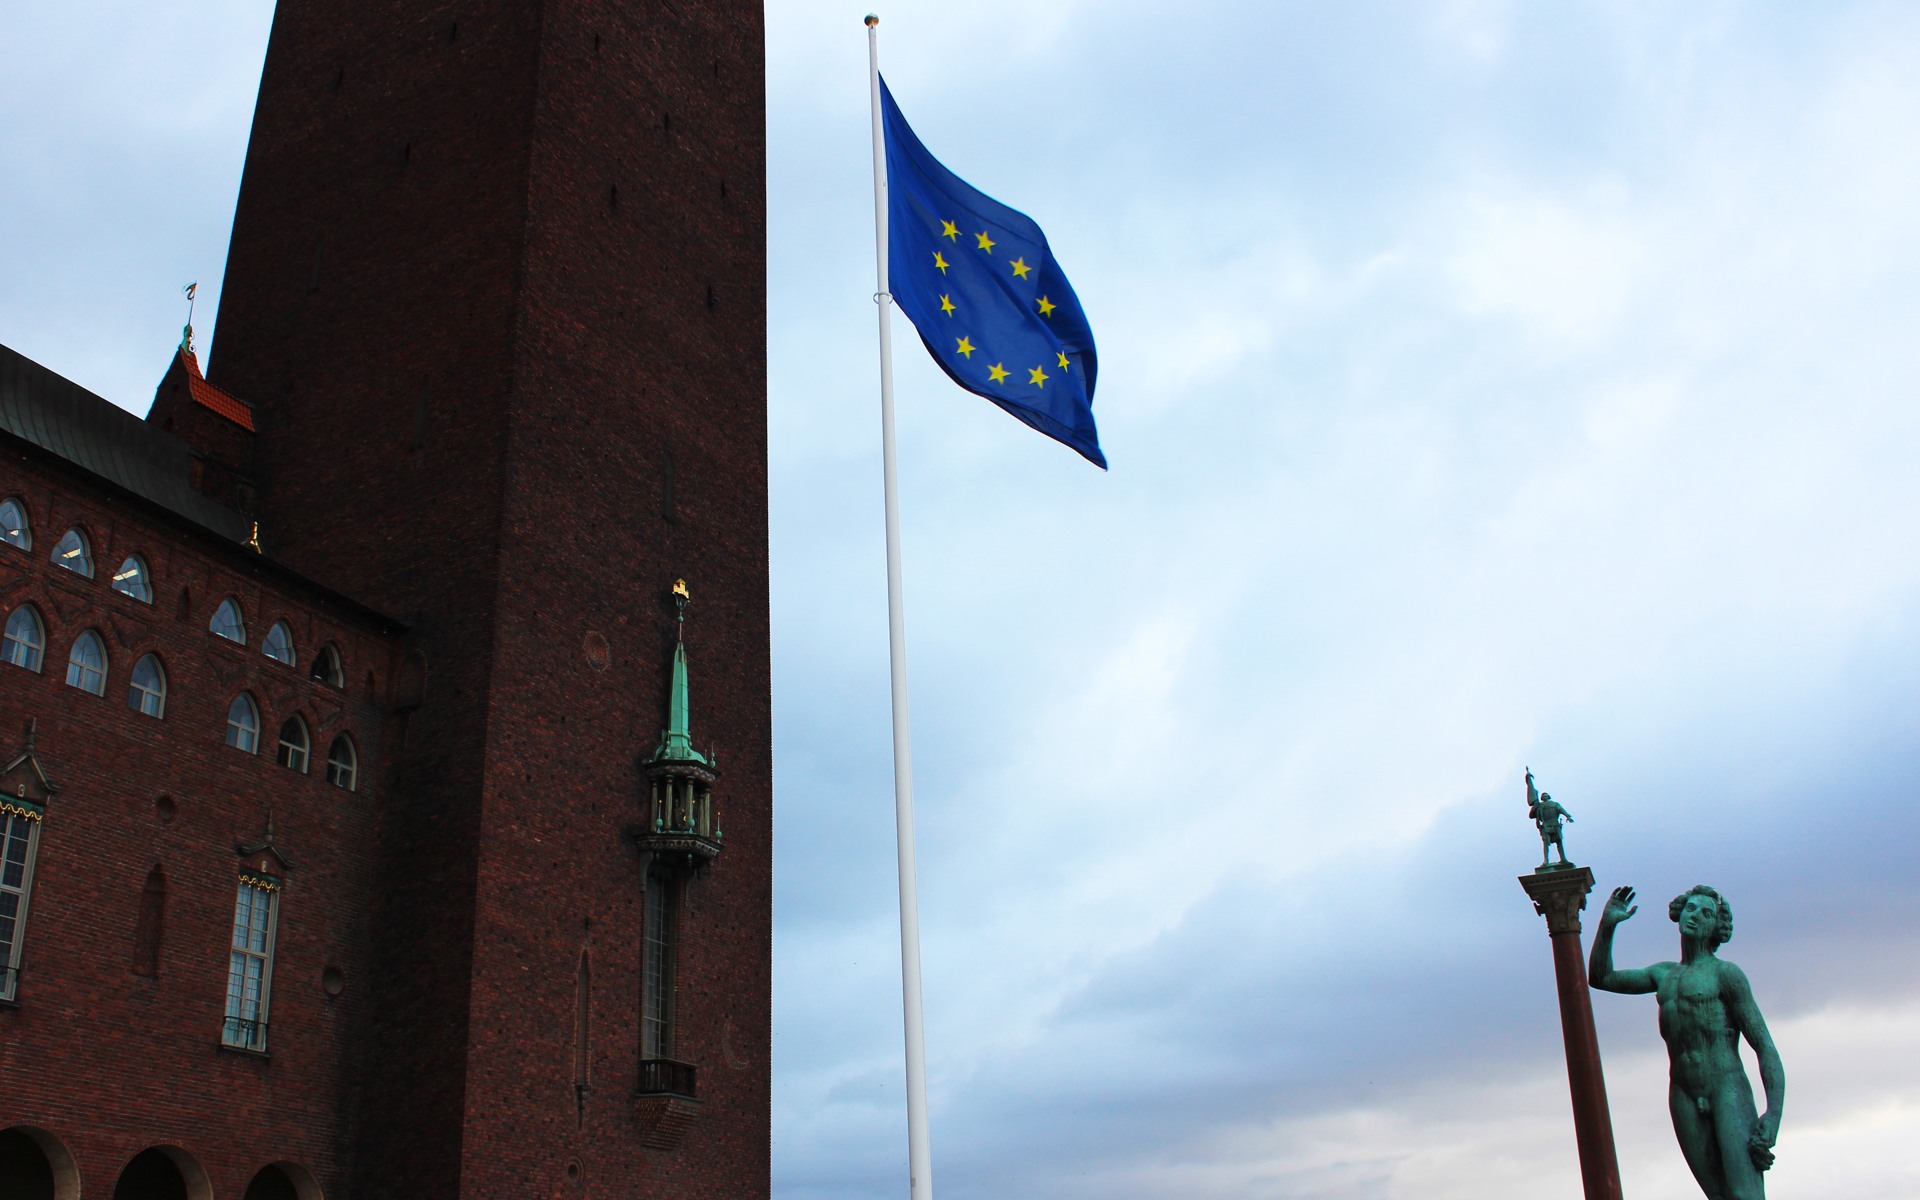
(407, 878)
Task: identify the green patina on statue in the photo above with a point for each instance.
(1548, 818)
(1706, 1007)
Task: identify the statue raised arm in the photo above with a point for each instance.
(1706, 1008)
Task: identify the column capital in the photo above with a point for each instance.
(1559, 895)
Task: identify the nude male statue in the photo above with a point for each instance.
(1706, 1006)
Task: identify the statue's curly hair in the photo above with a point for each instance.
(1723, 928)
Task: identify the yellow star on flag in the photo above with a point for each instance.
(986, 243)
(1063, 360)
(1020, 268)
(946, 304)
(965, 348)
(940, 262)
(1046, 306)
(949, 231)
(1037, 377)
(997, 373)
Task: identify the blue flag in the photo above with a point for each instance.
(977, 280)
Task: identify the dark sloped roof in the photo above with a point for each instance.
(70, 422)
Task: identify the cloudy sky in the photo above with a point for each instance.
(1485, 385)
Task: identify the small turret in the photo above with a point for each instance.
(680, 817)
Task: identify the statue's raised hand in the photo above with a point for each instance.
(1620, 906)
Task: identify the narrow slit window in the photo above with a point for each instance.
(147, 689)
(656, 983)
(243, 724)
(293, 745)
(26, 639)
(228, 623)
(87, 664)
(150, 925)
(132, 580)
(74, 554)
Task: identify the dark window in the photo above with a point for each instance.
(293, 745)
(343, 765)
(656, 974)
(326, 667)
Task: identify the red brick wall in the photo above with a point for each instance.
(496, 277)
(110, 1061)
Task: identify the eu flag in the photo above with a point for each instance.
(977, 280)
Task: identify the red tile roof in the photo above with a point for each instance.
(209, 396)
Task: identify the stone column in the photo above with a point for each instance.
(1559, 895)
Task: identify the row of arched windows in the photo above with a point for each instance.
(24, 645)
(243, 734)
(75, 553)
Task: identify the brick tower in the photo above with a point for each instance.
(496, 295)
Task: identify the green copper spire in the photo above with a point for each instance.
(676, 740)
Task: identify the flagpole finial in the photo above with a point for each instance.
(872, 20)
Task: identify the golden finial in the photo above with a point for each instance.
(680, 589)
(872, 20)
(253, 539)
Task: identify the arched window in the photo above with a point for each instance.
(278, 644)
(25, 640)
(243, 724)
(74, 554)
(326, 667)
(87, 664)
(227, 622)
(14, 530)
(343, 765)
(293, 745)
(147, 690)
(132, 579)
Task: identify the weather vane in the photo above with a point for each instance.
(186, 333)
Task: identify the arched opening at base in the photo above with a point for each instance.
(284, 1181)
(163, 1173)
(34, 1165)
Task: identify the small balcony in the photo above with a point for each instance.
(665, 1077)
(664, 1107)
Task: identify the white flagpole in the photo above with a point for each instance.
(919, 1143)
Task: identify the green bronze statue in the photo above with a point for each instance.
(1548, 817)
(1706, 1007)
